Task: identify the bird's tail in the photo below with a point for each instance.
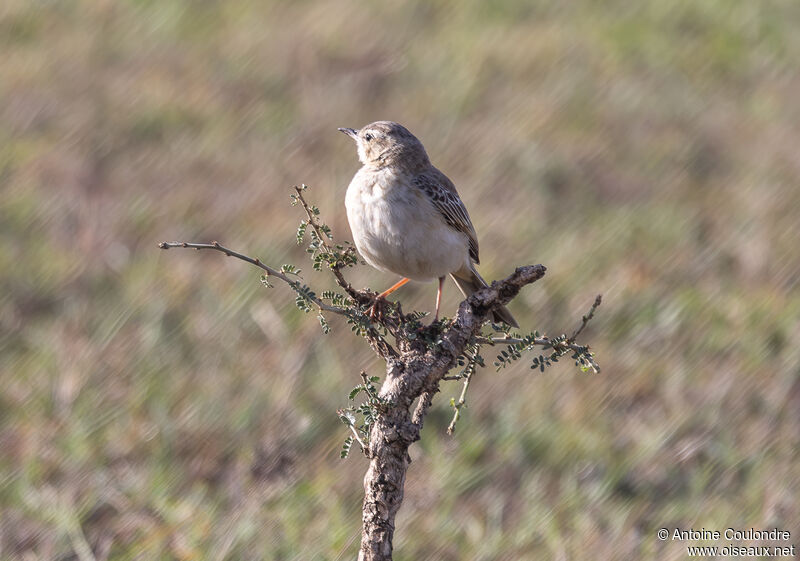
(469, 281)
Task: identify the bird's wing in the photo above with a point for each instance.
(442, 193)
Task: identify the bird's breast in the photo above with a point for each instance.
(397, 229)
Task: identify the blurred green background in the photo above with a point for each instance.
(167, 406)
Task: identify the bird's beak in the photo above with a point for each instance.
(352, 133)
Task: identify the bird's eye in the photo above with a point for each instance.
(367, 137)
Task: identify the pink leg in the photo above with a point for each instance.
(438, 298)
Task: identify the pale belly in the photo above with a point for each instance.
(400, 231)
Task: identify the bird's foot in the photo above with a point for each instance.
(377, 310)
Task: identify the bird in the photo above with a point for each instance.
(406, 216)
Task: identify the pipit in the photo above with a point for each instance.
(406, 215)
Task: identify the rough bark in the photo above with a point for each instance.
(391, 435)
(414, 373)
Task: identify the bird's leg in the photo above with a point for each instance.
(438, 299)
(394, 287)
(376, 310)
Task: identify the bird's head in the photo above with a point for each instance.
(386, 143)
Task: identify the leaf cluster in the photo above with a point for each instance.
(470, 360)
(359, 417)
(321, 247)
(559, 346)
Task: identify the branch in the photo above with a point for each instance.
(460, 403)
(415, 374)
(501, 292)
(544, 342)
(269, 270)
(585, 319)
(474, 312)
(424, 403)
(548, 343)
(453, 340)
(364, 447)
(323, 237)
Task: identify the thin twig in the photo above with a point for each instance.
(255, 261)
(585, 319)
(323, 239)
(367, 385)
(548, 343)
(312, 220)
(545, 342)
(538, 341)
(457, 406)
(361, 443)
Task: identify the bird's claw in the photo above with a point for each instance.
(377, 310)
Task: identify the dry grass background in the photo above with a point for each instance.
(167, 406)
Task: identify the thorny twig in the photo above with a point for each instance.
(462, 400)
(326, 248)
(381, 346)
(543, 341)
(255, 261)
(364, 447)
(585, 319)
(548, 343)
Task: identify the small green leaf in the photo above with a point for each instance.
(348, 443)
(324, 324)
(301, 232)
